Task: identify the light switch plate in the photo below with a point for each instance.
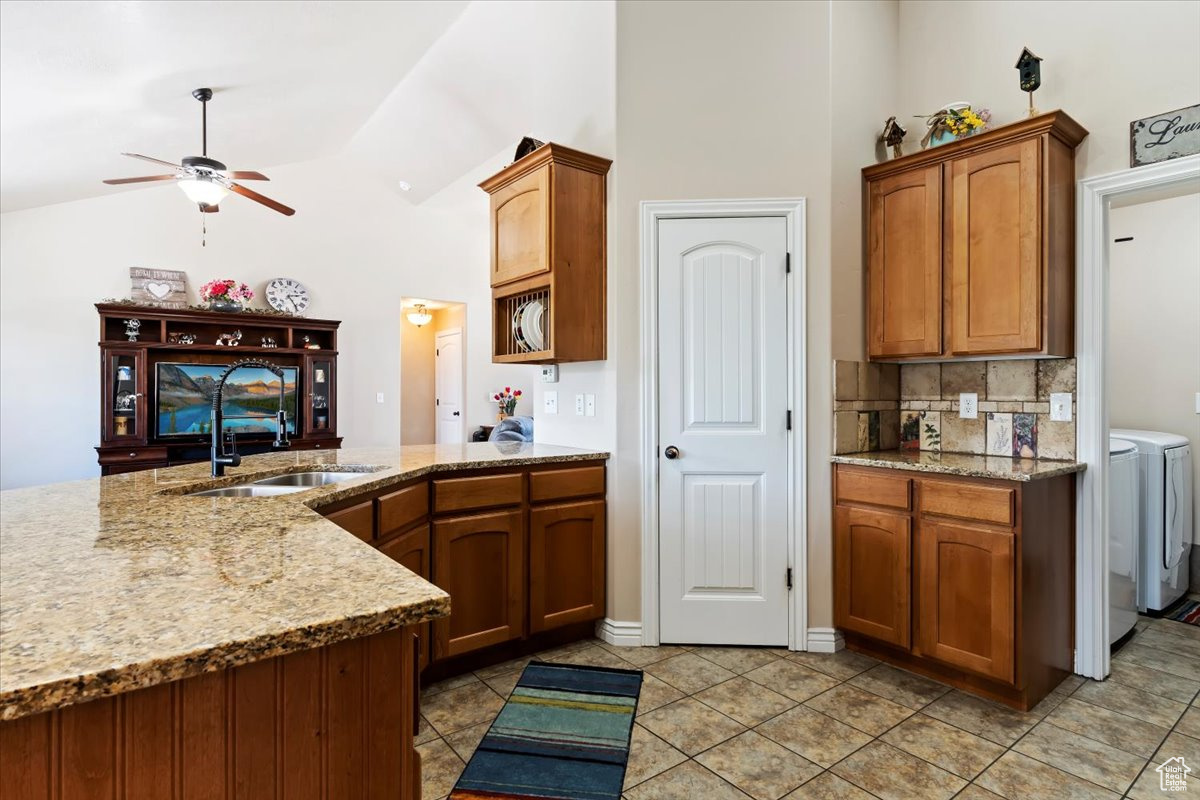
(589, 404)
(968, 405)
(1060, 406)
(550, 373)
(379, 397)
(1198, 402)
(579, 405)
(550, 402)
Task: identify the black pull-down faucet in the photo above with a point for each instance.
(222, 458)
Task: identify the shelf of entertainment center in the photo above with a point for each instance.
(214, 348)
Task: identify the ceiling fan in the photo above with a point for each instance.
(204, 180)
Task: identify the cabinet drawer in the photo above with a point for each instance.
(561, 484)
(358, 519)
(873, 488)
(123, 456)
(465, 494)
(402, 508)
(964, 501)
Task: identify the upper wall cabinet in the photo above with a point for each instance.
(548, 257)
(971, 245)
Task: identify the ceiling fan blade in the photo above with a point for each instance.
(258, 198)
(153, 160)
(246, 175)
(119, 181)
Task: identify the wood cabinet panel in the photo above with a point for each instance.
(480, 561)
(397, 510)
(904, 263)
(872, 487)
(520, 214)
(485, 491)
(966, 585)
(872, 573)
(968, 501)
(564, 484)
(994, 234)
(414, 550)
(566, 564)
(359, 519)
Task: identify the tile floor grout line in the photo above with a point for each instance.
(1068, 772)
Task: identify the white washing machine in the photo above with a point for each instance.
(1122, 538)
(1165, 529)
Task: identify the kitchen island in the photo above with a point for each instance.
(158, 644)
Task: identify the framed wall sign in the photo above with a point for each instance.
(166, 288)
(1172, 134)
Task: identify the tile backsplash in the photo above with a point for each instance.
(915, 406)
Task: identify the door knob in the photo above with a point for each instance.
(456, 413)
(672, 452)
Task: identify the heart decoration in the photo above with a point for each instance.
(159, 290)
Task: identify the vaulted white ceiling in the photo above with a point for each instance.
(415, 91)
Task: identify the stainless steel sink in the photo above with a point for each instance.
(247, 490)
(308, 479)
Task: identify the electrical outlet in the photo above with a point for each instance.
(550, 373)
(550, 402)
(579, 405)
(968, 405)
(379, 397)
(589, 405)
(1060, 406)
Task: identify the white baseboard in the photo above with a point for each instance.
(621, 634)
(825, 640)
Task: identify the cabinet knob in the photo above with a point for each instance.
(133, 454)
(672, 452)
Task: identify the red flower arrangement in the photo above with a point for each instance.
(507, 400)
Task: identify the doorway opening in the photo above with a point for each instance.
(433, 379)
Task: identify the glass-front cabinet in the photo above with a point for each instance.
(124, 396)
(319, 417)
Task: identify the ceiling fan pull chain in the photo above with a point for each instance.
(203, 230)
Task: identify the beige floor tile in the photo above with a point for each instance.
(1155, 636)
(440, 768)
(1086, 758)
(1189, 724)
(516, 664)
(504, 683)
(981, 717)
(1148, 786)
(656, 693)
(1019, 777)
(946, 746)
(758, 766)
(860, 709)
(976, 792)
(815, 736)
(737, 659)
(425, 731)
(828, 786)
(1060, 693)
(1110, 727)
(649, 756)
(791, 679)
(465, 741)
(592, 657)
(1162, 660)
(688, 781)
(1132, 702)
(689, 672)
(744, 700)
(448, 684)
(1175, 628)
(892, 774)
(690, 726)
(1153, 681)
(554, 653)
(1177, 744)
(899, 686)
(844, 664)
(641, 656)
(460, 708)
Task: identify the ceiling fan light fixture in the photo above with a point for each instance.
(419, 316)
(203, 191)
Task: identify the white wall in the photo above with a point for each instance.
(1154, 322)
(353, 242)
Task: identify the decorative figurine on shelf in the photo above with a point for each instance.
(893, 136)
(1030, 67)
(229, 339)
(124, 400)
(269, 341)
(121, 426)
(133, 327)
(309, 344)
(181, 338)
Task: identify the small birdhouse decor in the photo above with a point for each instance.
(1030, 68)
(893, 136)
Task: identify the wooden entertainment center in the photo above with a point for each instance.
(132, 434)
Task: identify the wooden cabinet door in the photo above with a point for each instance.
(904, 264)
(566, 564)
(521, 228)
(995, 242)
(480, 561)
(413, 550)
(872, 579)
(965, 591)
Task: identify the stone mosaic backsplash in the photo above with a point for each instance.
(1013, 397)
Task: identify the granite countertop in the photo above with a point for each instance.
(972, 466)
(118, 583)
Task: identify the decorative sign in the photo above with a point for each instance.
(158, 287)
(1164, 136)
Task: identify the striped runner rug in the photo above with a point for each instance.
(563, 735)
(1188, 611)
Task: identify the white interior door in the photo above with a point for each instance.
(449, 388)
(723, 440)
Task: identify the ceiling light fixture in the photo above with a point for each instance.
(419, 316)
(404, 186)
(203, 190)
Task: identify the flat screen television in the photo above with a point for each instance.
(183, 393)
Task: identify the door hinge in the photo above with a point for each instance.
(789, 419)
(789, 578)
(787, 263)
(437, 402)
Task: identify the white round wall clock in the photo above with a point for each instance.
(288, 295)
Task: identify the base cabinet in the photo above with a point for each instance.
(873, 573)
(566, 564)
(413, 549)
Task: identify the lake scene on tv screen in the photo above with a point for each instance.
(184, 396)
